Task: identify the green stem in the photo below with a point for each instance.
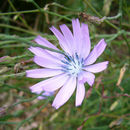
(36, 5)
(114, 17)
(97, 91)
(98, 14)
(26, 100)
(18, 29)
(61, 6)
(7, 42)
(19, 12)
(18, 57)
(17, 88)
(7, 122)
(128, 45)
(36, 10)
(42, 11)
(17, 46)
(14, 75)
(25, 23)
(115, 36)
(120, 11)
(30, 43)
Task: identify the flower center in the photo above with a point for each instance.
(72, 64)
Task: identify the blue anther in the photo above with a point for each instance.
(65, 62)
(77, 57)
(67, 58)
(82, 60)
(71, 59)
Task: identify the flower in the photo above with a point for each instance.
(71, 71)
(44, 95)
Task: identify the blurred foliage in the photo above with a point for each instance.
(107, 107)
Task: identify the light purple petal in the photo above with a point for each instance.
(51, 84)
(68, 36)
(100, 47)
(37, 51)
(43, 53)
(43, 73)
(77, 36)
(80, 93)
(41, 97)
(85, 76)
(65, 93)
(45, 95)
(86, 44)
(40, 52)
(96, 52)
(61, 39)
(97, 67)
(48, 63)
(92, 57)
(42, 41)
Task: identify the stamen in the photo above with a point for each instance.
(65, 62)
(77, 57)
(73, 64)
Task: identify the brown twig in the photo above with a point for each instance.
(19, 66)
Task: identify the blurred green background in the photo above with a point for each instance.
(108, 105)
